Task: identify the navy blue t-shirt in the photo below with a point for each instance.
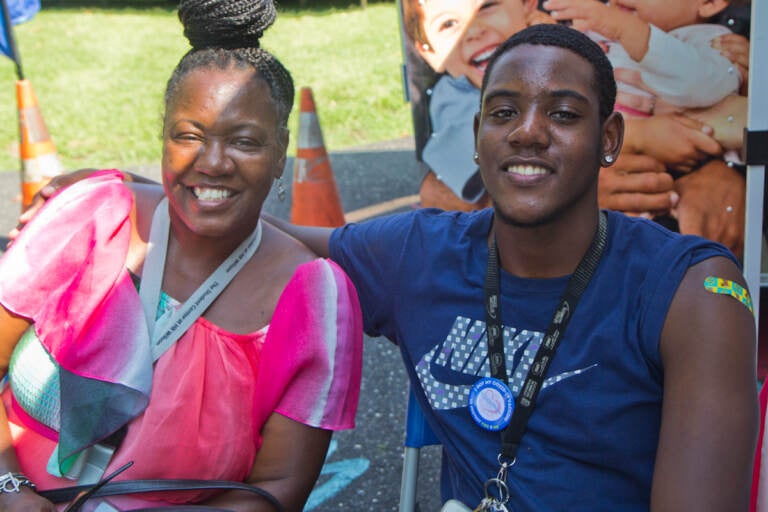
(591, 442)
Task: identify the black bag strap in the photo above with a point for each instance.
(185, 508)
(66, 494)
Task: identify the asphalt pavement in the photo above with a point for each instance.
(363, 469)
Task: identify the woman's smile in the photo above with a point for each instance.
(211, 194)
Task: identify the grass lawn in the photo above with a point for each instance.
(99, 70)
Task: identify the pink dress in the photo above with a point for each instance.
(210, 395)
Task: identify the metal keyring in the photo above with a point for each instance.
(502, 488)
(505, 463)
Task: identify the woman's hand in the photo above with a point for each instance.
(25, 500)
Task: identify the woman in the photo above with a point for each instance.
(251, 376)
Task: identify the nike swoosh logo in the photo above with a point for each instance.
(448, 371)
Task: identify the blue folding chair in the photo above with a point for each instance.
(417, 434)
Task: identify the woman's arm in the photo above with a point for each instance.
(313, 369)
(287, 466)
(11, 329)
(26, 500)
(710, 412)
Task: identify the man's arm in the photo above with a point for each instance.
(710, 412)
(313, 237)
(59, 182)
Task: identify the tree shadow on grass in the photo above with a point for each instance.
(285, 5)
(108, 4)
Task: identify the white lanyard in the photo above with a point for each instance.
(174, 322)
(165, 331)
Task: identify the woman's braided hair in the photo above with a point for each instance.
(227, 32)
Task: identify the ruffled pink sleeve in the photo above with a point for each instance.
(66, 272)
(312, 357)
(67, 266)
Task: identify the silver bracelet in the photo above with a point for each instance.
(12, 482)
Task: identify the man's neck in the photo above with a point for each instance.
(548, 250)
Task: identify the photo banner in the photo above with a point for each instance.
(447, 43)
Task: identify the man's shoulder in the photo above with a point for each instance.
(650, 242)
(627, 227)
(430, 219)
(417, 235)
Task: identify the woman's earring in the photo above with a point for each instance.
(280, 189)
(608, 159)
(476, 157)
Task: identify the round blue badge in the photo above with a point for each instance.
(491, 404)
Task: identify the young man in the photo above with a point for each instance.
(650, 398)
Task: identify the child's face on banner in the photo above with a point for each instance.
(462, 34)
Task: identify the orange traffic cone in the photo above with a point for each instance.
(39, 162)
(315, 198)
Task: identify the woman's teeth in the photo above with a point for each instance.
(211, 194)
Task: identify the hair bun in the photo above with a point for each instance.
(226, 23)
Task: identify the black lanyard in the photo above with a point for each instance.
(513, 433)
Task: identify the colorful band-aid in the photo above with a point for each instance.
(727, 287)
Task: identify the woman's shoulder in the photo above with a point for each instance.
(260, 284)
(282, 252)
(148, 194)
(146, 197)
